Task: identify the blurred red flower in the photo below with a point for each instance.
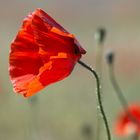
(42, 53)
(126, 124)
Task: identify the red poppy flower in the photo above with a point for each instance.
(125, 125)
(42, 53)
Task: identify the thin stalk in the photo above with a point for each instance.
(117, 88)
(121, 97)
(100, 37)
(99, 55)
(33, 124)
(98, 96)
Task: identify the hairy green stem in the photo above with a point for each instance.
(99, 55)
(99, 97)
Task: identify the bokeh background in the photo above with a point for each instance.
(62, 111)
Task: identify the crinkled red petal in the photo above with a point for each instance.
(42, 53)
(124, 122)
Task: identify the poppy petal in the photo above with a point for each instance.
(49, 20)
(42, 53)
(125, 125)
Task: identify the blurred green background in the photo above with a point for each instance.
(62, 110)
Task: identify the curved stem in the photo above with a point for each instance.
(120, 95)
(99, 55)
(115, 85)
(99, 97)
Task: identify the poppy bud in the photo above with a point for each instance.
(100, 35)
(110, 57)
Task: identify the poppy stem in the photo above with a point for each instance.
(115, 85)
(99, 69)
(98, 96)
(119, 93)
(100, 37)
(33, 124)
(118, 90)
